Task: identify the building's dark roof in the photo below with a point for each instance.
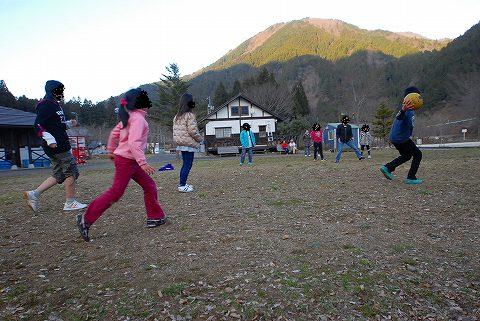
(10, 117)
(236, 97)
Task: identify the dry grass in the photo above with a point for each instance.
(286, 239)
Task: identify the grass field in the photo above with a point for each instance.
(286, 239)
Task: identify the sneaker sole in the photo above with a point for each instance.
(386, 174)
(161, 222)
(25, 197)
(74, 209)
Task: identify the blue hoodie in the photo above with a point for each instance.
(247, 138)
(402, 128)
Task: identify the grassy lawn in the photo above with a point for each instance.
(286, 239)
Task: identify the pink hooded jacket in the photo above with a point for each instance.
(131, 141)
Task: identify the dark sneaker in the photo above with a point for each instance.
(83, 228)
(386, 173)
(155, 223)
(415, 181)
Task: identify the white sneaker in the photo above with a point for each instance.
(185, 189)
(369, 156)
(32, 201)
(73, 206)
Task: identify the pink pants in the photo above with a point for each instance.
(126, 169)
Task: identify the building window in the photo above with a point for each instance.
(234, 111)
(223, 132)
(262, 131)
(245, 111)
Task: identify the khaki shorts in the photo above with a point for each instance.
(64, 165)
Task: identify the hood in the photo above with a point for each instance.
(50, 86)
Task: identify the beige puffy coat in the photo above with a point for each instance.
(185, 131)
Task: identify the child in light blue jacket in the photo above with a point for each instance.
(247, 139)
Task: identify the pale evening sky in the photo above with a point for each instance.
(99, 48)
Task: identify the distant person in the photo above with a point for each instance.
(285, 147)
(307, 142)
(51, 126)
(292, 146)
(317, 137)
(344, 136)
(400, 136)
(126, 147)
(365, 139)
(187, 138)
(247, 140)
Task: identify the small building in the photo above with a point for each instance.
(19, 144)
(223, 124)
(329, 135)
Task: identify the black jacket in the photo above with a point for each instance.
(344, 133)
(51, 119)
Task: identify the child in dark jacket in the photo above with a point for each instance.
(365, 139)
(345, 137)
(402, 130)
(51, 126)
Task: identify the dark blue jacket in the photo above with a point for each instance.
(402, 128)
(51, 119)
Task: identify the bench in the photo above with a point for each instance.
(225, 150)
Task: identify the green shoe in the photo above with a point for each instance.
(413, 181)
(386, 173)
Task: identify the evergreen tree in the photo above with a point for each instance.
(236, 89)
(300, 101)
(265, 77)
(6, 97)
(221, 95)
(383, 122)
(26, 104)
(170, 88)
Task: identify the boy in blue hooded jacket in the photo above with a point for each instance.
(400, 136)
(247, 139)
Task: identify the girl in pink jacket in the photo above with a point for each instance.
(317, 137)
(126, 146)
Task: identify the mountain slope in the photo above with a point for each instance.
(328, 39)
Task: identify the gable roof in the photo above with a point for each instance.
(237, 97)
(10, 117)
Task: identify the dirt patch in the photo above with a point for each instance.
(286, 239)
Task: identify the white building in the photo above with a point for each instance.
(223, 124)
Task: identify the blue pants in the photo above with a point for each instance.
(186, 167)
(350, 144)
(307, 150)
(244, 152)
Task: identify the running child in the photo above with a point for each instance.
(400, 136)
(126, 146)
(51, 126)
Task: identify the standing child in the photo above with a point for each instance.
(247, 140)
(365, 139)
(51, 125)
(126, 146)
(317, 137)
(187, 138)
(400, 136)
(307, 141)
(345, 137)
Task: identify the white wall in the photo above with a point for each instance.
(235, 125)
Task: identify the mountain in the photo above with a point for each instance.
(328, 39)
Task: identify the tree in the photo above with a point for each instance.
(26, 104)
(236, 89)
(265, 77)
(221, 95)
(170, 88)
(383, 122)
(300, 101)
(6, 97)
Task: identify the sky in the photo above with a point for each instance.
(101, 48)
